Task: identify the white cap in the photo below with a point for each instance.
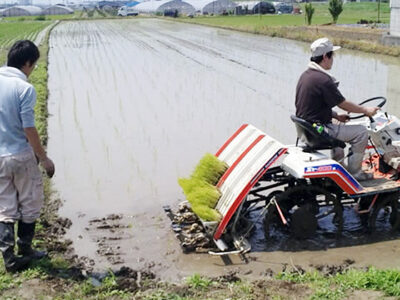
(322, 46)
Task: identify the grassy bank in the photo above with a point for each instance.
(293, 26)
(352, 13)
(345, 284)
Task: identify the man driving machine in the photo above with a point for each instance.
(317, 93)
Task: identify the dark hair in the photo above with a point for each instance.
(22, 52)
(318, 59)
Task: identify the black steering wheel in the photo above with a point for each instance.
(381, 103)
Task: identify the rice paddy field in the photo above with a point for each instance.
(11, 31)
(28, 27)
(135, 103)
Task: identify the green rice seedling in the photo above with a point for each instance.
(210, 169)
(206, 213)
(200, 188)
(207, 196)
(189, 185)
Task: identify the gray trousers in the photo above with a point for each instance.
(355, 135)
(21, 188)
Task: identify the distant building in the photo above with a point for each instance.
(21, 10)
(132, 3)
(57, 10)
(165, 7)
(255, 7)
(215, 7)
(113, 4)
(283, 7)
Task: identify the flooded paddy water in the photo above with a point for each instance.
(134, 104)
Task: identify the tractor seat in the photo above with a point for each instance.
(312, 138)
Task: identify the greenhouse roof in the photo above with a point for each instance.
(200, 4)
(59, 7)
(133, 3)
(249, 4)
(154, 6)
(33, 10)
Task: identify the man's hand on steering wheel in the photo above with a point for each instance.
(368, 111)
(371, 111)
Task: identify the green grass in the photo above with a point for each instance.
(198, 282)
(314, 286)
(39, 80)
(352, 13)
(339, 285)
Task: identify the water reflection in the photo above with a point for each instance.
(354, 233)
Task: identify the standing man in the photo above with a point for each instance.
(317, 93)
(21, 188)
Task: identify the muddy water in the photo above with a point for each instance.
(134, 104)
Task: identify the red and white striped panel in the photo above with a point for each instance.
(249, 153)
(237, 143)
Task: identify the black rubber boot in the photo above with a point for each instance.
(25, 233)
(12, 263)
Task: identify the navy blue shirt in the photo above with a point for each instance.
(316, 95)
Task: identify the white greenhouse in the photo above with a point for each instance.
(57, 10)
(256, 7)
(216, 7)
(21, 10)
(164, 6)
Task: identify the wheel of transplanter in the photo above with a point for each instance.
(379, 100)
(242, 225)
(386, 209)
(301, 206)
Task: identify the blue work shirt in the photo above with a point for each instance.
(17, 102)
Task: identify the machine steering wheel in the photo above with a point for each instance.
(381, 103)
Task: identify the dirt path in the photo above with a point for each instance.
(40, 37)
(135, 103)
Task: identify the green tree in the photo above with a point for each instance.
(335, 8)
(309, 12)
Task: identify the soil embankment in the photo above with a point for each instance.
(367, 39)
